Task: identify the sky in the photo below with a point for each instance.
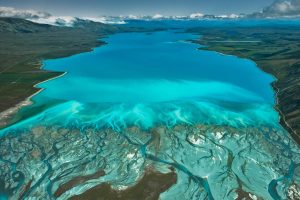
(139, 7)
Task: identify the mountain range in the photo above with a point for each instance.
(278, 9)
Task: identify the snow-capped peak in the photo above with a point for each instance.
(196, 15)
(157, 16)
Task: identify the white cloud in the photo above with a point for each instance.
(46, 18)
(196, 15)
(281, 8)
(37, 16)
(133, 17)
(25, 14)
(106, 20)
(157, 16)
(284, 6)
(57, 21)
(231, 16)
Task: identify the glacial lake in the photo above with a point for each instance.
(138, 74)
(156, 100)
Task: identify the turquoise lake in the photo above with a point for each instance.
(157, 100)
(139, 74)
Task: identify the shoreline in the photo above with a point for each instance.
(282, 121)
(272, 57)
(21, 65)
(207, 43)
(7, 115)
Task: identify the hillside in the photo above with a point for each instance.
(25, 44)
(276, 50)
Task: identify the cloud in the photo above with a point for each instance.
(157, 16)
(106, 20)
(56, 21)
(24, 14)
(47, 18)
(37, 16)
(196, 15)
(231, 16)
(280, 8)
(283, 8)
(193, 16)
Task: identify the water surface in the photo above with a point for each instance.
(153, 100)
(145, 73)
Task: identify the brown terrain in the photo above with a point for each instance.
(149, 187)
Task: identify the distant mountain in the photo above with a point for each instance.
(278, 9)
(17, 25)
(193, 16)
(24, 44)
(69, 21)
(47, 18)
(95, 26)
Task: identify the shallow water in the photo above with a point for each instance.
(159, 78)
(144, 66)
(153, 100)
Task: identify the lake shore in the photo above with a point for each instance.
(24, 46)
(275, 53)
(273, 49)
